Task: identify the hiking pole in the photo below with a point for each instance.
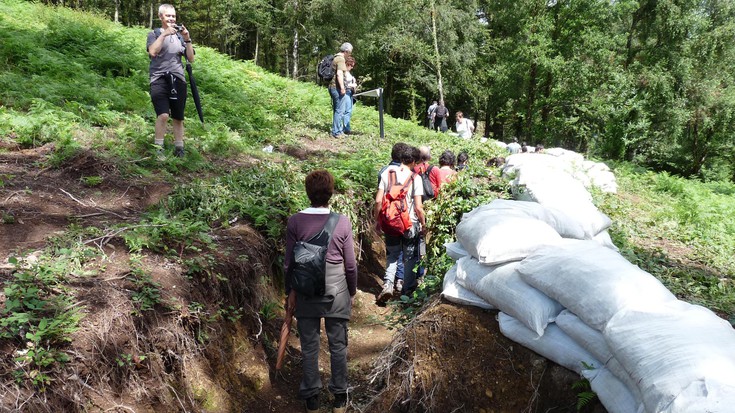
(285, 332)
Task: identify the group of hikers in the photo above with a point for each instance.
(437, 115)
(403, 186)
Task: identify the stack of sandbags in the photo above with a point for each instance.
(565, 292)
(507, 231)
(669, 355)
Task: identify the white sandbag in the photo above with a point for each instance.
(617, 369)
(558, 189)
(564, 224)
(592, 281)
(567, 155)
(455, 250)
(613, 394)
(457, 294)
(554, 344)
(681, 356)
(594, 342)
(603, 238)
(496, 239)
(586, 336)
(503, 287)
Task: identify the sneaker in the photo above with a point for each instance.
(160, 153)
(179, 152)
(312, 404)
(340, 403)
(420, 281)
(399, 286)
(339, 136)
(386, 294)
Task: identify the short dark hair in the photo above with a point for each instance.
(398, 148)
(447, 158)
(319, 187)
(410, 154)
(462, 157)
(497, 161)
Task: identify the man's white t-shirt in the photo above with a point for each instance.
(464, 128)
(402, 174)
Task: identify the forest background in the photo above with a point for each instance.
(107, 246)
(648, 81)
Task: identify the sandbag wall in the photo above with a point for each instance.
(547, 263)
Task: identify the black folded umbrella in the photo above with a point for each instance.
(195, 92)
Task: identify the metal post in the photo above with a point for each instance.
(380, 112)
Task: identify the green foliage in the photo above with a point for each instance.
(146, 293)
(126, 360)
(269, 310)
(585, 395)
(692, 218)
(472, 188)
(91, 181)
(39, 314)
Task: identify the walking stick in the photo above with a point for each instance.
(285, 332)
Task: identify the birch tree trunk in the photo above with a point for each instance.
(150, 17)
(437, 57)
(117, 11)
(295, 54)
(257, 45)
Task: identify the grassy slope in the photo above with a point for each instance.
(81, 82)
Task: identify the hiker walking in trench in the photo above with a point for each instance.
(402, 233)
(335, 306)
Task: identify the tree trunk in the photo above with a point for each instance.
(531, 102)
(295, 54)
(117, 11)
(437, 57)
(150, 17)
(257, 45)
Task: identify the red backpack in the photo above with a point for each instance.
(395, 216)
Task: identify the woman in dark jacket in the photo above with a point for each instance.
(336, 304)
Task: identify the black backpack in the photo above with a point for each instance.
(428, 189)
(309, 261)
(324, 69)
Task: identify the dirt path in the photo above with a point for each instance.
(37, 203)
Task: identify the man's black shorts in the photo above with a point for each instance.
(161, 94)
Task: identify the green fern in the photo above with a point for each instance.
(585, 395)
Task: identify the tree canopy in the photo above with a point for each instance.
(644, 80)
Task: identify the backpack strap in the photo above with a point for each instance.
(328, 228)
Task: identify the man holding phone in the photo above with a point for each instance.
(166, 46)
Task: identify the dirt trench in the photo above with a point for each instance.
(209, 345)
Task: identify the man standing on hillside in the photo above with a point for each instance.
(338, 91)
(165, 47)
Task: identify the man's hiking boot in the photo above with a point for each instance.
(386, 294)
(179, 152)
(160, 153)
(340, 403)
(312, 404)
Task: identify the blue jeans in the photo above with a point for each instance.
(394, 246)
(348, 110)
(338, 108)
